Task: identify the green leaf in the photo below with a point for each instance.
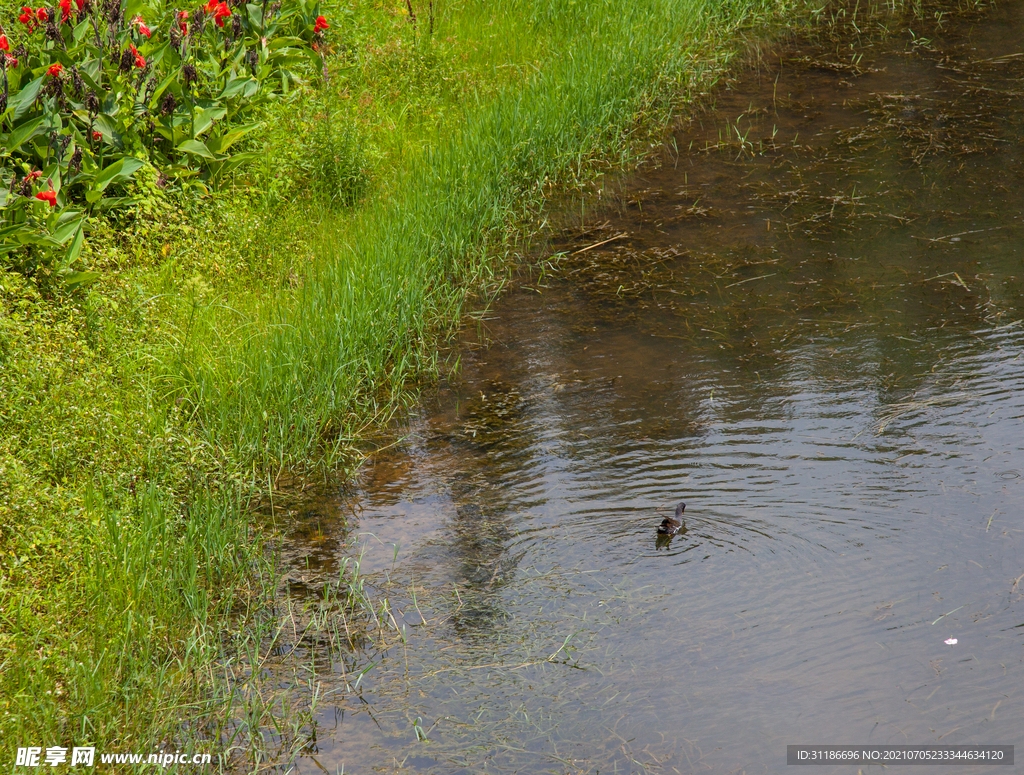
(23, 100)
(227, 165)
(221, 144)
(112, 202)
(107, 127)
(196, 148)
(122, 169)
(81, 30)
(255, 15)
(11, 230)
(90, 72)
(64, 232)
(21, 134)
(284, 42)
(134, 8)
(154, 57)
(26, 237)
(244, 86)
(162, 88)
(79, 279)
(75, 247)
(206, 118)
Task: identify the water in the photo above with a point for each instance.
(806, 324)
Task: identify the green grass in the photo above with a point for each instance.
(266, 329)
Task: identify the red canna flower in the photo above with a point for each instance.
(321, 24)
(97, 135)
(4, 45)
(137, 21)
(65, 10)
(33, 175)
(55, 69)
(183, 22)
(48, 196)
(210, 6)
(139, 60)
(221, 12)
(26, 17)
(11, 61)
(42, 14)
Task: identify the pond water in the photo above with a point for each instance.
(807, 325)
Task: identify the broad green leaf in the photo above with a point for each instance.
(284, 42)
(154, 57)
(81, 30)
(27, 237)
(229, 164)
(255, 15)
(23, 100)
(163, 87)
(79, 279)
(221, 144)
(76, 245)
(21, 134)
(107, 127)
(122, 169)
(90, 72)
(196, 148)
(10, 230)
(206, 118)
(245, 87)
(64, 232)
(134, 8)
(112, 202)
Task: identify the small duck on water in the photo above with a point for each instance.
(670, 525)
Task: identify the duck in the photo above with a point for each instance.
(670, 525)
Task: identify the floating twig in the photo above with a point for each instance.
(599, 244)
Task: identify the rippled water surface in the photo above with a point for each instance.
(806, 324)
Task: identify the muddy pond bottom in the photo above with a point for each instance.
(806, 325)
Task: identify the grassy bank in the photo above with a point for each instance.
(263, 330)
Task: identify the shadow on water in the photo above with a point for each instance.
(806, 323)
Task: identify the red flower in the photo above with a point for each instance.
(42, 14)
(48, 196)
(55, 69)
(139, 61)
(183, 22)
(97, 135)
(11, 61)
(65, 10)
(321, 24)
(221, 12)
(137, 21)
(4, 45)
(210, 6)
(26, 17)
(33, 175)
